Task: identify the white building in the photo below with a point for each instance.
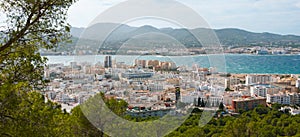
(188, 98)
(284, 99)
(257, 79)
(295, 98)
(64, 98)
(231, 82)
(215, 100)
(229, 96)
(298, 83)
(156, 86)
(263, 89)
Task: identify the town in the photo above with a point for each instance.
(154, 88)
(256, 50)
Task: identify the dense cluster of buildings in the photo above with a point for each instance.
(265, 50)
(179, 51)
(154, 88)
(281, 89)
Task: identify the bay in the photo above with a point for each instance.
(230, 63)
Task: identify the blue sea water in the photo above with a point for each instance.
(231, 63)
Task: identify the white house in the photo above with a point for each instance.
(255, 79)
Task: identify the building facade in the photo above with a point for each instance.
(107, 62)
(257, 79)
(283, 99)
(247, 103)
(297, 83)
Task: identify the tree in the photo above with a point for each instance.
(227, 89)
(237, 128)
(81, 125)
(291, 130)
(34, 22)
(32, 116)
(30, 26)
(195, 131)
(261, 110)
(202, 103)
(276, 106)
(221, 106)
(199, 102)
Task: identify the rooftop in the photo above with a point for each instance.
(248, 99)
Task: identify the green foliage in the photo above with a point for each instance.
(221, 106)
(81, 125)
(276, 106)
(259, 122)
(35, 24)
(29, 26)
(261, 110)
(196, 111)
(27, 114)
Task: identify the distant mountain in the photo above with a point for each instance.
(241, 37)
(227, 37)
(76, 32)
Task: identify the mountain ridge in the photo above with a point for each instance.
(227, 36)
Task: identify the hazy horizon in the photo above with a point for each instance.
(279, 17)
(172, 27)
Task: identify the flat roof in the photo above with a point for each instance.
(248, 99)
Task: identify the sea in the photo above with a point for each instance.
(225, 63)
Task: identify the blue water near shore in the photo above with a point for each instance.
(231, 63)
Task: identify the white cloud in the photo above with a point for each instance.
(279, 16)
(297, 5)
(84, 11)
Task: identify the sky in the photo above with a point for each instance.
(274, 16)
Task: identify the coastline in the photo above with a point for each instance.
(235, 63)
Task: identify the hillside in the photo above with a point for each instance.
(227, 36)
(95, 38)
